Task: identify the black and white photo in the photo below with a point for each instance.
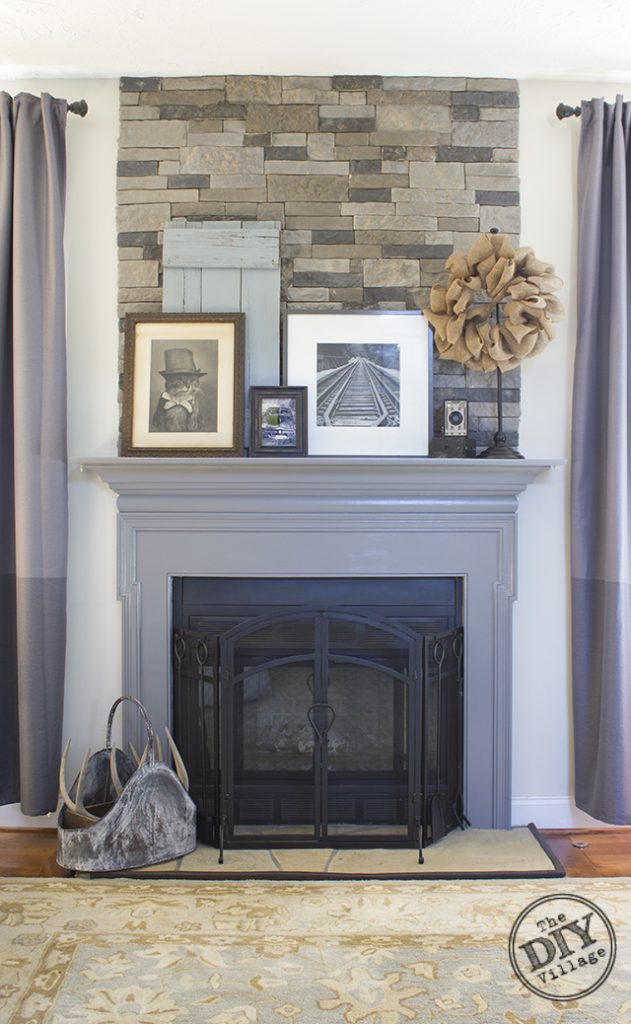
(368, 380)
(183, 384)
(358, 385)
(181, 400)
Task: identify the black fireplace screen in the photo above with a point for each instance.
(321, 727)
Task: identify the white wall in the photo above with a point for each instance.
(542, 719)
(542, 730)
(93, 655)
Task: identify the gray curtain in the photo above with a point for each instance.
(33, 473)
(601, 467)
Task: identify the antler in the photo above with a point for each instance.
(134, 753)
(182, 774)
(116, 782)
(75, 805)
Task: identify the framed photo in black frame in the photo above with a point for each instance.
(278, 421)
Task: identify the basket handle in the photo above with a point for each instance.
(150, 733)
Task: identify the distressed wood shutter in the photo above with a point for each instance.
(229, 267)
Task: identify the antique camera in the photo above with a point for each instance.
(455, 417)
(452, 442)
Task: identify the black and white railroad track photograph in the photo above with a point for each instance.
(358, 385)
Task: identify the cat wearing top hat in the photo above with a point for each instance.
(178, 406)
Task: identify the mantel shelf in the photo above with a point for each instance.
(380, 479)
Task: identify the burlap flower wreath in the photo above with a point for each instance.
(464, 321)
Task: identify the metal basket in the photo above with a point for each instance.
(153, 819)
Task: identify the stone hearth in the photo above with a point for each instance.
(327, 517)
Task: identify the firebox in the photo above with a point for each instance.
(321, 712)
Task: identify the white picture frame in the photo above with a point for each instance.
(368, 379)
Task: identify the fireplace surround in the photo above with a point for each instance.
(329, 517)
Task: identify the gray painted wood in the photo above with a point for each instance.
(248, 246)
(229, 267)
(221, 291)
(330, 517)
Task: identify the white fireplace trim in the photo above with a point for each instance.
(363, 517)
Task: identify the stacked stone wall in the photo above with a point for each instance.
(375, 181)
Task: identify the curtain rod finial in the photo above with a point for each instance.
(79, 107)
(564, 110)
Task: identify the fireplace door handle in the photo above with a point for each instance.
(331, 716)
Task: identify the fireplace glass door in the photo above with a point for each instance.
(317, 723)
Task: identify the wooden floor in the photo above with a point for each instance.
(30, 853)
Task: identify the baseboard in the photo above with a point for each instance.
(552, 812)
(12, 817)
(546, 812)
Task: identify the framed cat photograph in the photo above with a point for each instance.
(183, 384)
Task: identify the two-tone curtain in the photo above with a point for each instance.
(33, 460)
(601, 467)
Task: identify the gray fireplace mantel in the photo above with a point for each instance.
(329, 517)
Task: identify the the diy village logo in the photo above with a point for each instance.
(562, 947)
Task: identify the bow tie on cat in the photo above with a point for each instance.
(171, 401)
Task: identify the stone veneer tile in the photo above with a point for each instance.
(136, 168)
(424, 84)
(138, 274)
(391, 273)
(487, 182)
(436, 175)
(307, 167)
(434, 195)
(222, 160)
(309, 96)
(489, 133)
(496, 198)
(150, 195)
(144, 153)
(409, 96)
(412, 118)
(253, 88)
(321, 146)
(506, 218)
(307, 187)
(142, 216)
(139, 114)
(157, 181)
(292, 118)
(231, 181)
(221, 139)
(152, 134)
(493, 84)
(178, 84)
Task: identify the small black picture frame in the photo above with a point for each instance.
(278, 421)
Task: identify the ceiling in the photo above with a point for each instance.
(582, 39)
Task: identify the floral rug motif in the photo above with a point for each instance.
(159, 952)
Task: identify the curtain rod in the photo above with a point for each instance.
(79, 107)
(563, 111)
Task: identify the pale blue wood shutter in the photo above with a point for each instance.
(229, 267)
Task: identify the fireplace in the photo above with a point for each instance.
(320, 711)
(324, 518)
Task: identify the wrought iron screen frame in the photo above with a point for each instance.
(435, 686)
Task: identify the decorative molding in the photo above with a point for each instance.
(553, 812)
(372, 480)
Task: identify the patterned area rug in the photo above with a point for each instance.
(161, 952)
(473, 853)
